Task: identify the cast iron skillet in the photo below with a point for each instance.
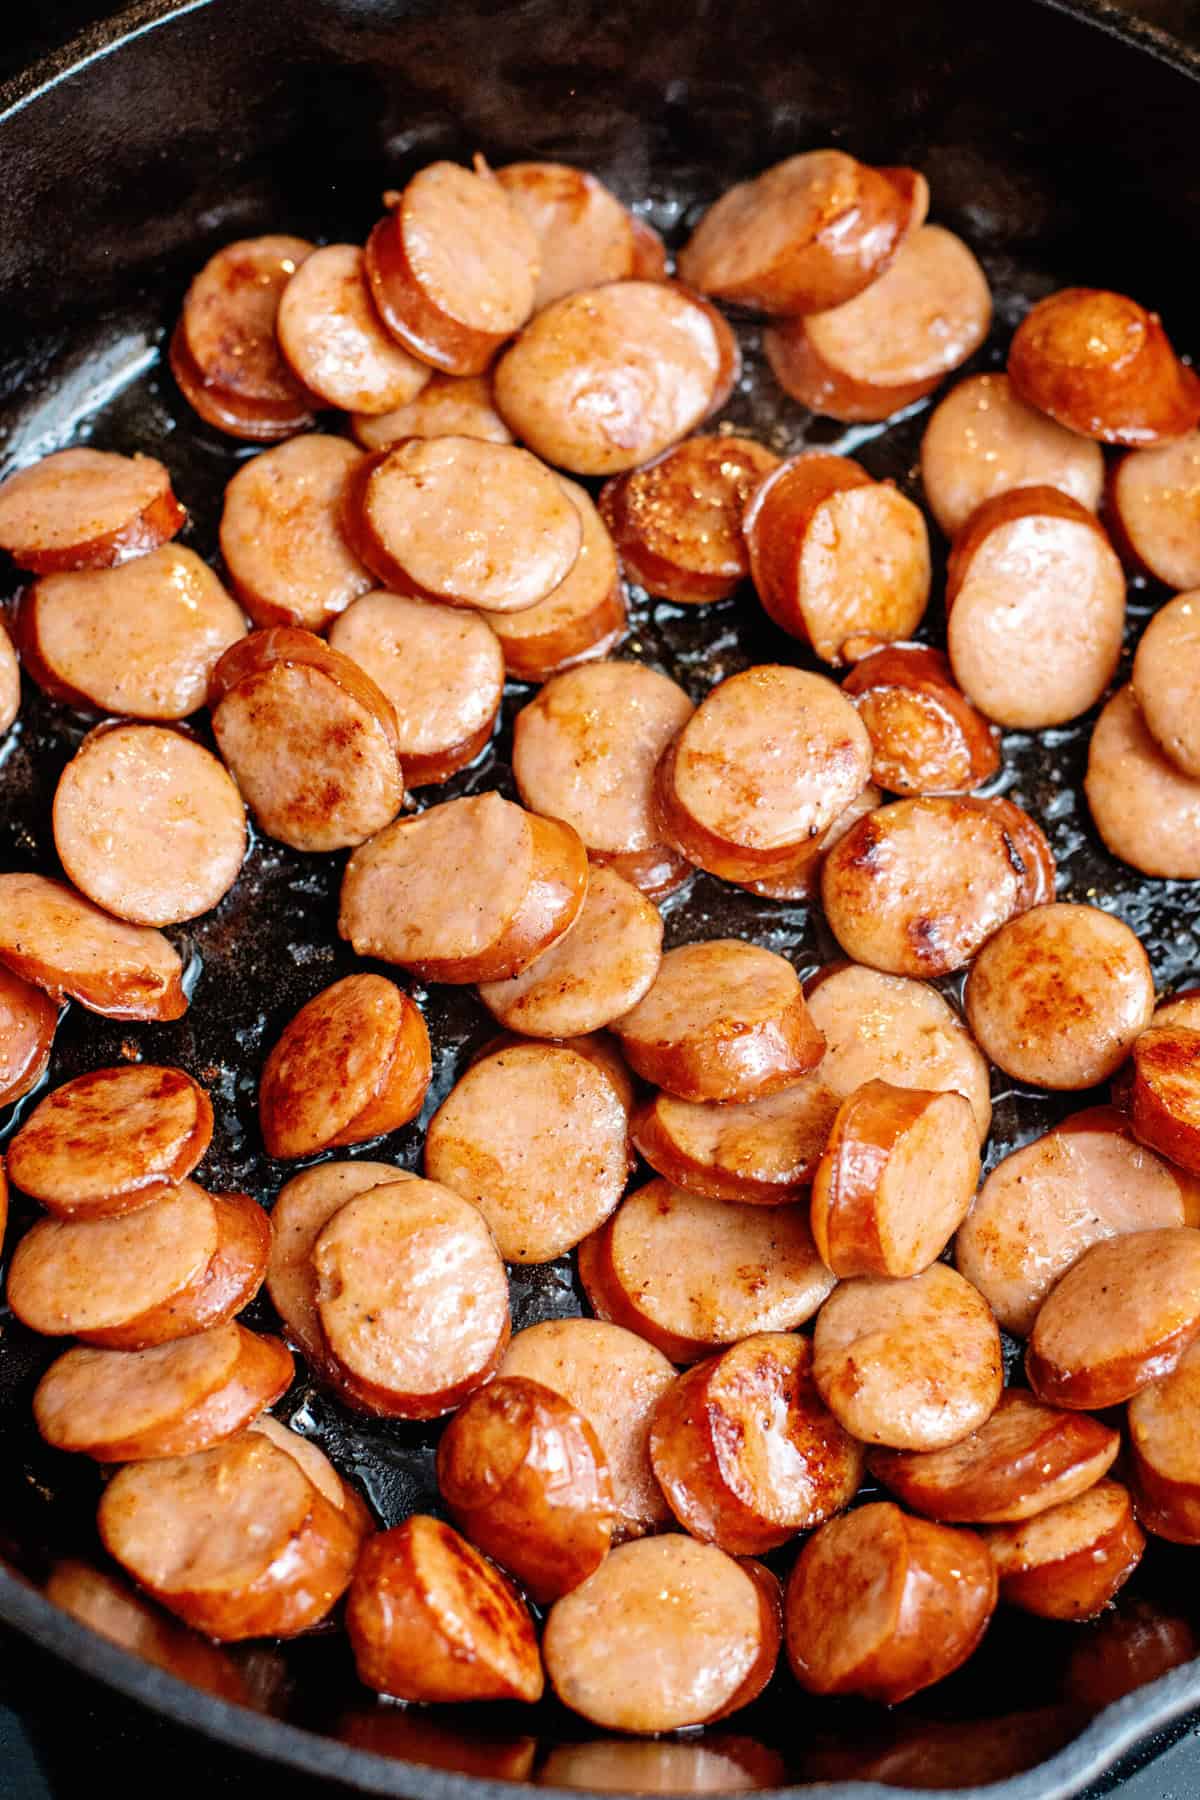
(1060, 141)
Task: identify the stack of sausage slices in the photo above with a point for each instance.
(815, 1149)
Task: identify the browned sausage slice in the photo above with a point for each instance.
(606, 378)
(691, 1274)
(281, 539)
(235, 1540)
(450, 406)
(746, 1451)
(470, 890)
(128, 1406)
(224, 353)
(169, 806)
(333, 340)
(614, 1379)
(1102, 365)
(882, 1605)
(525, 1477)
(585, 751)
(1026, 1458)
(1165, 1102)
(52, 936)
(835, 555)
(538, 1137)
(353, 1063)
(760, 1152)
(914, 1365)
(1154, 500)
(808, 233)
(465, 522)
(1166, 1452)
(887, 1028)
(982, 440)
(1057, 996)
(430, 1619)
(453, 267)
(724, 1020)
(1145, 809)
(86, 509)
(412, 1299)
(10, 682)
(1119, 1319)
(141, 640)
(1045, 1204)
(892, 344)
(257, 421)
(28, 1021)
(584, 234)
(230, 1281)
(1166, 680)
(926, 737)
(916, 888)
(678, 522)
(582, 619)
(441, 668)
(310, 738)
(665, 1634)
(1036, 602)
(112, 1141)
(1069, 1562)
(650, 259)
(896, 1180)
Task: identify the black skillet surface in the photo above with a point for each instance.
(1060, 152)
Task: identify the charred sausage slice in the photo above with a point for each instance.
(926, 737)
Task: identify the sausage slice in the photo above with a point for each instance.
(86, 509)
(1036, 602)
(224, 353)
(310, 738)
(317, 1466)
(281, 537)
(53, 937)
(746, 1451)
(1166, 675)
(583, 618)
(448, 406)
(760, 1152)
(896, 1180)
(1165, 1104)
(926, 737)
(1166, 1453)
(1154, 501)
(913, 1365)
(584, 235)
(129, 1406)
(412, 1299)
(526, 1479)
(893, 343)
(112, 1141)
(650, 259)
(1045, 1204)
(982, 440)
(430, 1619)
(538, 1137)
(470, 890)
(1069, 1562)
(883, 1605)
(28, 1021)
(835, 555)
(236, 1540)
(1102, 366)
(1145, 809)
(333, 341)
(170, 806)
(453, 267)
(353, 1063)
(141, 640)
(667, 1633)
(1025, 1459)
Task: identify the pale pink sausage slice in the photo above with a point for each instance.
(582, 619)
(1045, 1204)
(224, 352)
(148, 824)
(1068, 1563)
(333, 340)
(914, 1365)
(665, 1634)
(52, 936)
(1166, 680)
(584, 234)
(614, 1379)
(141, 640)
(470, 890)
(316, 1465)
(759, 1152)
(442, 669)
(1166, 1453)
(28, 1021)
(1154, 501)
(982, 440)
(412, 1299)
(537, 1136)
(604, 379)
(288, 561)
(891, 345)
(449, 406)
(86, 509)
(1145, 809)
(598, 971)
(10, 683)
(1036, 602)
(310, 738)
